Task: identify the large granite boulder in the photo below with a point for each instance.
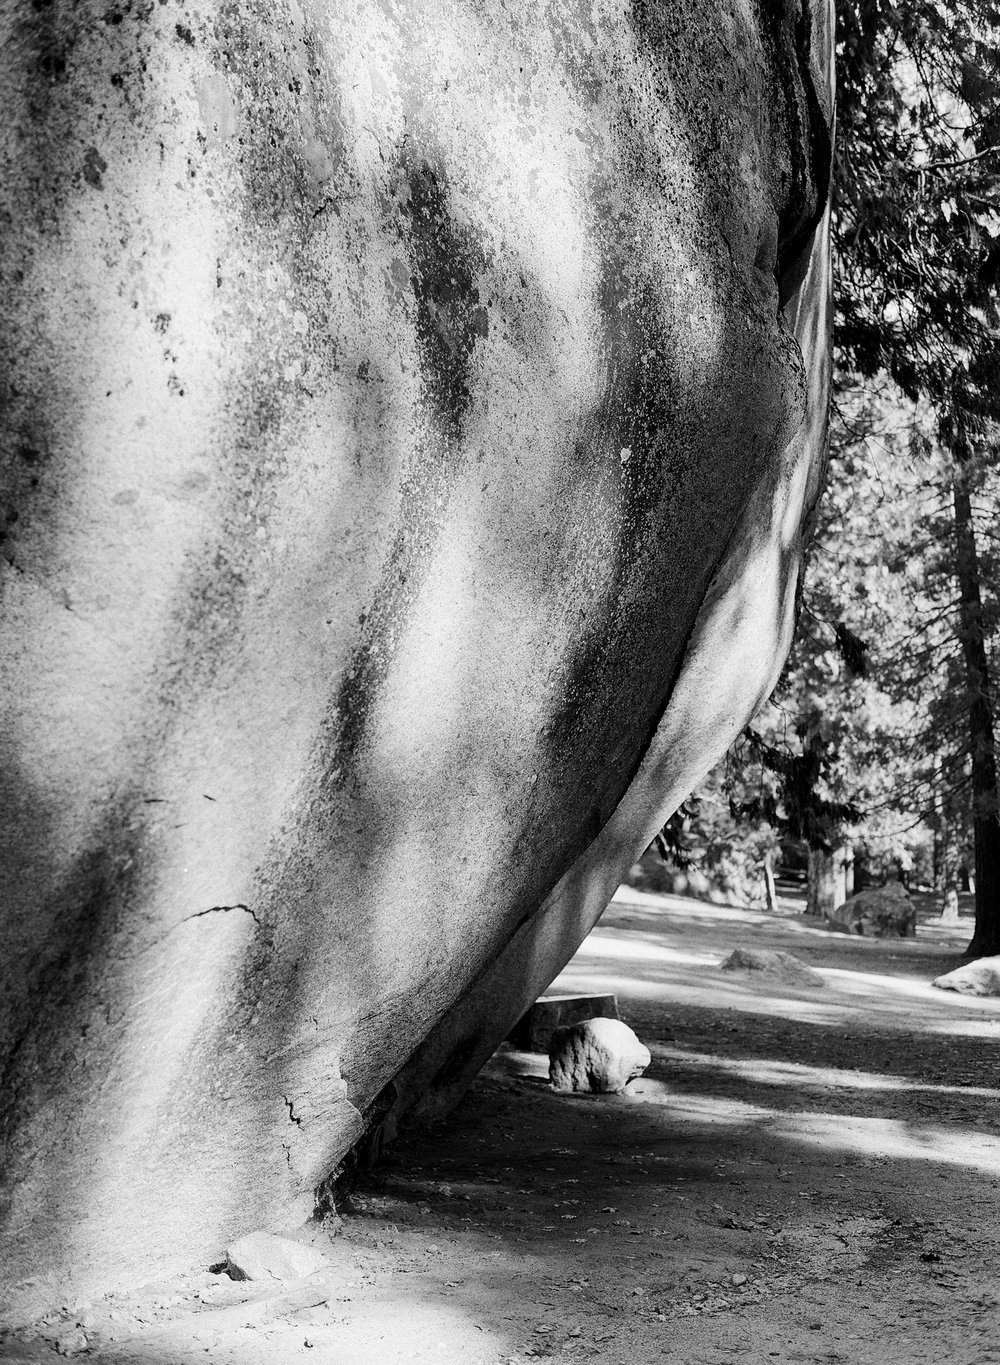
(412, 415)
(878, 912)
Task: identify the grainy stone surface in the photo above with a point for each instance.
(600, 1055)
(412, 414)
(263, 1256)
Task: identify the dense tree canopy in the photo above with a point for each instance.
(882, 728)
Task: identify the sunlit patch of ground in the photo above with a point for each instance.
(658, 947)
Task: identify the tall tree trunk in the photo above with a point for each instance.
(862, 870)
(986, 823)
(827, 886)
(770, 894)
(819, 884)
(845, 862)
(946, 870)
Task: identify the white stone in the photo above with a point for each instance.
(974, 978)
(263, 1256)
(601, 1055)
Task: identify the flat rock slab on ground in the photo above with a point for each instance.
(974, 978)
(533, 1031)
(773, 963)
(600, 1055)
(265, 1256)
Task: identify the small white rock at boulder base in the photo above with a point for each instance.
(600, 1055)
(265, 1256)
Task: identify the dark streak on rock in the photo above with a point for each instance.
(446, 260)
(788, 23)
(62, 983)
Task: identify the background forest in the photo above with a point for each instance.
(876, 754)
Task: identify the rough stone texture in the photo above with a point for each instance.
(879, 912)
(262, 1256)
(411, 417)
(730, 664)
(974, 978)
(600, 1055)
(534, 1030)
(776, 965)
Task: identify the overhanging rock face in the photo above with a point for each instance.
(411, 416)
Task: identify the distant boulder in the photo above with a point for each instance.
(600, 1055)
(974, 978)
(880, 912)
(774, 965)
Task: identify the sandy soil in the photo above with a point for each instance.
(802, 1175)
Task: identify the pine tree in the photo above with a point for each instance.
(888, 694)
(917, 230)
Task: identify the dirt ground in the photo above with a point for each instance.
(801, 1175)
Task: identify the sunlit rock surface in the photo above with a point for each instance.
(262, 1256)
(972, 978)
(599, 1055)
(411, 412)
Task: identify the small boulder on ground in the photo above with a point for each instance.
(600, 1055)
(265, 1256)
(974, 978)
(878, 912)
(775, 965)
